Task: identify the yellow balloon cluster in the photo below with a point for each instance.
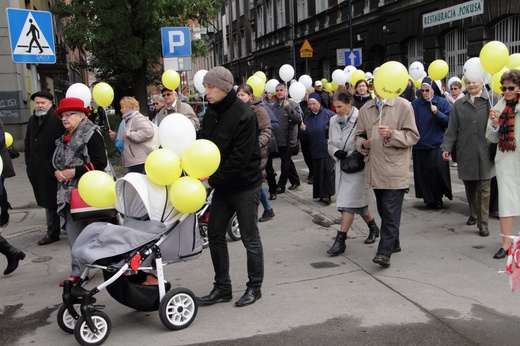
(171, 79)
(103, 94)
(97, 189)
(163, 167)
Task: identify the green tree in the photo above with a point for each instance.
(123, 37)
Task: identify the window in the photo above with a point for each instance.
(415, 51)
(508, 31)
(260, 21)
(455, 50)
(270, 17)
(301, 10)
(280, 13)
(321, 5)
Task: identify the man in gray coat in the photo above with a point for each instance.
(172, 104)
(475, 165)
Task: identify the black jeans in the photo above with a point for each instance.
(53, 223)
(389, 206)
(287, 168)
(270, 174)
(245, 204)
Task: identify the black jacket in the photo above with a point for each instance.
(39, 148)
(231, 125)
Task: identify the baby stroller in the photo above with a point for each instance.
(152, 235)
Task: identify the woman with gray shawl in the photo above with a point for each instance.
(79, 150)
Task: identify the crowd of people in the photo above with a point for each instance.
(430, 127)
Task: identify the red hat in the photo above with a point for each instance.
(72, 104)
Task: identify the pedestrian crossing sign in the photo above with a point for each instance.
(32, 37)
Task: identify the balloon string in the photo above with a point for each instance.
(106, 118)
(490, 96)
(380, 115)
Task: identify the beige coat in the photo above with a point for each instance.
(388, 160)
(139, 130)
(182, 108)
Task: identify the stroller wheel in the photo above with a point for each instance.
(65, 321)
(203, 228)
(234, 228)
(178, 308)
(85, 336)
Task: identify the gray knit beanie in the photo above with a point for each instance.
(219, 77)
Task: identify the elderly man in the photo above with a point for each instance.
(386, 132)
(174, 105)
(431, 173)
(325, 98)
(43, 129)
(231, 124)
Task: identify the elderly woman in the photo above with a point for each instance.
(316, 127)
(503, 129)
(158, 104)
(133, 130)
(352, 196)
(455, 92)
(79, 150)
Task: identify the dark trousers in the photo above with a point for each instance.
(53, 223)
(270, 174)
(245, 204)
(306, 152)
(477, 193)
(287, 168)
(389, 206)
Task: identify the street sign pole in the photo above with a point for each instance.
(34, 79)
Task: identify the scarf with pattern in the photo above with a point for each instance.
(506, 133)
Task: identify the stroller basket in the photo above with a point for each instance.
(129, 291)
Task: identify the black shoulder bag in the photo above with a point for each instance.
(354, 162)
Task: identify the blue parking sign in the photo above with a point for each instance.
(176, 41)
(31, 35)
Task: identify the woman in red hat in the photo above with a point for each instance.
(81, 144)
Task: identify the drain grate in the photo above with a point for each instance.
(321, 265)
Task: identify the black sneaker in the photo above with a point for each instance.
(267, 215)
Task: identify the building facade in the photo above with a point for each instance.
(262, 35)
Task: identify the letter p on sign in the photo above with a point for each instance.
(176, 42)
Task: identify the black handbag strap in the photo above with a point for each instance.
(352, 129)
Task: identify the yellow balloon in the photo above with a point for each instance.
(97, 189)
(8, 139)
(262, 76)
(103, 94)
(327, 87)
(201, 159)
(493, 56)
(391, 79)
(324, 81)
(163, 166)
(357, 75)
(334, 86)
(171, 79)
(495, 80)
(187, 194)
(417, 83)
(438, 69)
(513, 61)
(256, 83)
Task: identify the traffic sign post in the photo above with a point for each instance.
(31, 35)
(347, 57)
(176, 42)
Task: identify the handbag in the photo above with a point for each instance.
(13, 153)
(354, 162)
(81, 211)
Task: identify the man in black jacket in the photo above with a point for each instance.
(231, 125)
(43, 129)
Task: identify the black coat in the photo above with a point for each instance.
(39, 147)
(232, 126)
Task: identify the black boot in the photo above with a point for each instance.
(4, 215)
(374, 232)
(13, 255)
(339, 244)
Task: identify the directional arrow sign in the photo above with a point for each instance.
(347, 57)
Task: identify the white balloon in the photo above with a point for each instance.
(416, 70)
(271, 84)
(473, 70)
(339, 77)
(349, 70)
(80, 91)
(197, 80)
(306, 80)
(369, 75)
(297, 91)
(176, 132)
(1, 165)
(286, 72)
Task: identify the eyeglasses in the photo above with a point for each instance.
(156, 104)
(424, 90)
(509, 88)
(167, 94)
(453, 88)
(67, 115)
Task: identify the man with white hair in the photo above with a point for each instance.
(174, 105)
(43, 129)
